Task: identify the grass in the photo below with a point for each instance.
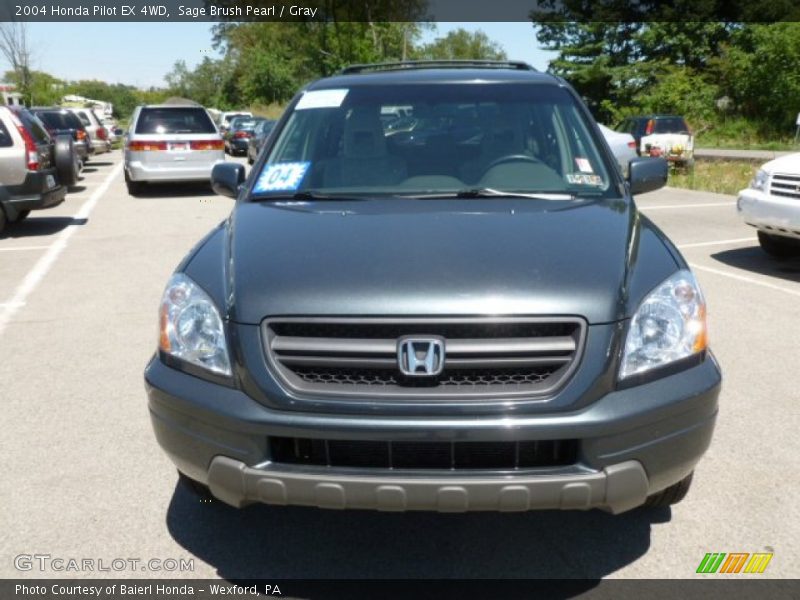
(721, 177)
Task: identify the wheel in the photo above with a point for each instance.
(777, 246)
(672, 495)
(66, 165)
(250, 160)
(3, 220)
(196, 488)
(134, 187)
(22, 215)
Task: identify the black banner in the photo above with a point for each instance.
(732, 11)
(552, 589)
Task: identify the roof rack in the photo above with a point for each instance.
(438, 64)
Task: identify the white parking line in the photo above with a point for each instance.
(717, 243)
(42, 266)
(738, 277)
(687, 205)
(23, 248)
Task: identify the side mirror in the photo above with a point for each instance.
(227, 178)
(647, 174)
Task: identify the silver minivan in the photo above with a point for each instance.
(171, 143)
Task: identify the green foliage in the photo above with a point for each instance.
(462, 45)
(729, 80)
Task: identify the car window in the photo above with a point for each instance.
(174, 120)
(57, 119)
(670, 125)
(5, 138)
(243, 123)
(34, 126)
(514, 137)
(84, 119)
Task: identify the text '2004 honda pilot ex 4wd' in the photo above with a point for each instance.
(460, 311)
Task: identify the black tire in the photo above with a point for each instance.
(66, 165)
(134, 187)
(23, 214)
(200, 490)
(250, 160)
(778, 247)
(672, 495)
(3, 219)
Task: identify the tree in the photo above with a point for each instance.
(14, 46)
(461, 44)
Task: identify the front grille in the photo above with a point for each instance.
(423, 455)
(482, 357)
(785, 185)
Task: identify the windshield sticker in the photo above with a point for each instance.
(281, 177)
(322, 99)
(584, 179)
(583, 164)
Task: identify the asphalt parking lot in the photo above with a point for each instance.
(83, 476)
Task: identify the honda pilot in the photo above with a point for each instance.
(469, 314)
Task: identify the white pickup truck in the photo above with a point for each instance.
(661, 135)
(772, 205)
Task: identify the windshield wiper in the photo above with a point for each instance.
(304, 195)
(493, 193)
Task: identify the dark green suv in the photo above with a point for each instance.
(465, 312)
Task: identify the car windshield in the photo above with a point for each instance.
(670, 125)
(451, 138)
(174, 120)
(57, 119)
(243, 123)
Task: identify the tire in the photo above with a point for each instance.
(196, 488)
(672, 495)
(3, 219)
(134, 187)
(250, 160)
(778, 247)
(66, 165)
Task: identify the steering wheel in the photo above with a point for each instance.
(512, 158)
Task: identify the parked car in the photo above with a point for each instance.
(661, 135)
(60, 121)
(239, 132)
(170, 143)
(29, 175)
(449, 327)
(772, 205)
(98, 134)
(256, 142)
(226, 118)
(622, 145)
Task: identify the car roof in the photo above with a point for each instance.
(417, 72)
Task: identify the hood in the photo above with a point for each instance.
(790, 163)
(428, 257)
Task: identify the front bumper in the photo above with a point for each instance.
(769, 213)
(632, 443)
(238, 144)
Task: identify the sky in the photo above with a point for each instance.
(140, 54)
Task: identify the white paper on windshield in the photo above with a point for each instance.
(322, 99)
(281, 177)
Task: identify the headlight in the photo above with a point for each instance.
(191, 327)
(760, 180)
(670, 324)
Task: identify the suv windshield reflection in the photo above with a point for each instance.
(423, 139)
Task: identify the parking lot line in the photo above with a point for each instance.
(23, 248)
(42, 266)
(744, 278)
(687, 205)
(717, 243)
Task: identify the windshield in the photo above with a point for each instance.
(243, 123)
(670, 125)
(174, 120)
(525, 138)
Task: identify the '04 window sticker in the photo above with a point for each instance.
(282, 177)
